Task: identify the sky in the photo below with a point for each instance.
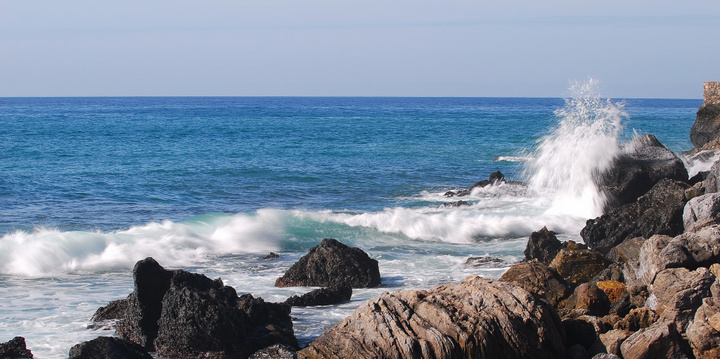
(509, 48)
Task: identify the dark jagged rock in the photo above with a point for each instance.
(114, 310)
(580, 332)
(626, 251)
(272, 255)
(145, 303)
(332, 264)
(194, 316)
(15, 348)
(538, 278)
(455, 204)
(707, 122)
(495, 178)
(657, 212)
(473, 319)
(268, 323)
(322, 296)
(642, 163)
(543, 246)
(589, 296)
(108, 348)
(485, 261)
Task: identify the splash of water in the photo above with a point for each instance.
(582, 145)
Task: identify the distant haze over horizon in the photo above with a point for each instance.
(519, 48)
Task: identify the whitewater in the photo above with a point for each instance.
(89, 186)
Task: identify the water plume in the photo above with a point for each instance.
(582, 145)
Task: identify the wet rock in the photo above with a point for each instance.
(277, 351)
(475, 318)
(701, 211)
(495, 178)
(485, 262)
(589, 296)
(455, 204)
(613, 339)
(331, 264)
(538, 278)
(543, 245)
(637, 319)
(712, 179)
(605, 356)
(145, 303)
(108, 348)
(707, 122)
(660, 340)
(579, 265)
(641, 164)
(272, 255)
(659, 211)
(267, 323)
(114, 310)
(15, 348)
(322, 296)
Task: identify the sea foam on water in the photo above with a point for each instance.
(582, 146)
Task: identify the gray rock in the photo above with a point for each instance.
(680, 292)
(704, 331)
(707, 122)
(332, 264)
(277, 351)
(701, 211)
(476, 318)
(712, 180)
(626, 251)
(613, 339)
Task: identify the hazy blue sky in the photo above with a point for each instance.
(656, 48)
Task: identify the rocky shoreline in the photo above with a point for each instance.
(645, 284)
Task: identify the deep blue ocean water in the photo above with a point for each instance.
(88, 186)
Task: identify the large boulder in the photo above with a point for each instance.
(538, 278)
(659, 211)
(589, 297)
(15, 348)
(704, 331)
(332, 264)
(678, 293)
(180, 314)
(707, 122)
(641, 164)
(701, 211)
(660, 340)
(543, 245)
(478, 318)
(108, 348)
(145, 303)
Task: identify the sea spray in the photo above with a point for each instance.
(582, 145)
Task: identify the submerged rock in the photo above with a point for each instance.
(332, 264)
(474, 319)
(108, 348)
(495, 178)
(15, 348)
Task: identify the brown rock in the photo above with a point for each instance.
(579, 266)
(543, 246)
(613, 289)
(679, 293)
(626, 251)
(474, 319)
(589, 296)
(660, 340)
(613, 339)
(538, 278)
(707, 123)
(637, 319)
(704, 332)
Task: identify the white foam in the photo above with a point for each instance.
(583, 144)
(50, 251)
(700, 162)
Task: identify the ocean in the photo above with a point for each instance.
(89, 186)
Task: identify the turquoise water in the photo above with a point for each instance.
(88, 186)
